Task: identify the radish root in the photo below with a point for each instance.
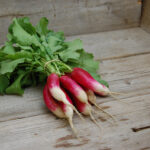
(81, 117)
(107, 120)
(73, 128)
(94, 120)
(116, 93)
(118, 99)
(105, 112)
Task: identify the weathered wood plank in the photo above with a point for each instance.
(26, 124)
(123, 75)
(45, 132)
(145, 21)
(114, 44)
(73, 16)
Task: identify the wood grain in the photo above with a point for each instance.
(73, 16)
(25, 123)
(145, 21)
(116, 44)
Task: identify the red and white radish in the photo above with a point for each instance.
(86, 80)
(85, 109)
(82, 107)
(74, 88)
(57, 92)
(51, 104)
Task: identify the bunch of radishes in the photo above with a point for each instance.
(34, 52)
(73, 92)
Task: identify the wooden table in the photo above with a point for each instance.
(26, 124)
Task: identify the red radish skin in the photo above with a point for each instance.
(86, 80)
(82, 107)
(51, 104)
(55, 89)
(74, 88)
(57, 92)
(70, 101)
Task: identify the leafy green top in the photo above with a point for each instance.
(31, 53)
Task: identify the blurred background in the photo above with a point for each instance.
(73, 16)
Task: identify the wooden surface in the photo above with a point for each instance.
(26, 124)
(73, 16)
(145, 21)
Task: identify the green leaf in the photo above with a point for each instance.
(67, 55)
(59, 35)
(104, 82)
(26, 48)
(21, 54)
(10, 65)
(74, 45)
(86, 61)
(8, 49)
(22, 36)
(15, 87)
(4, 82)
(71, 52)
(53, 43)
(26, 25)
(41, 27)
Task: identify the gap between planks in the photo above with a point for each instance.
(123, 56)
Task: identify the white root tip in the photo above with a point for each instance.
(73, 128)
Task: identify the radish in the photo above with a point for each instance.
(77, 91)
(70, 101)
(57, 92)
(86, 80)
(51, 104)
(85, 109)
(74, 88)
